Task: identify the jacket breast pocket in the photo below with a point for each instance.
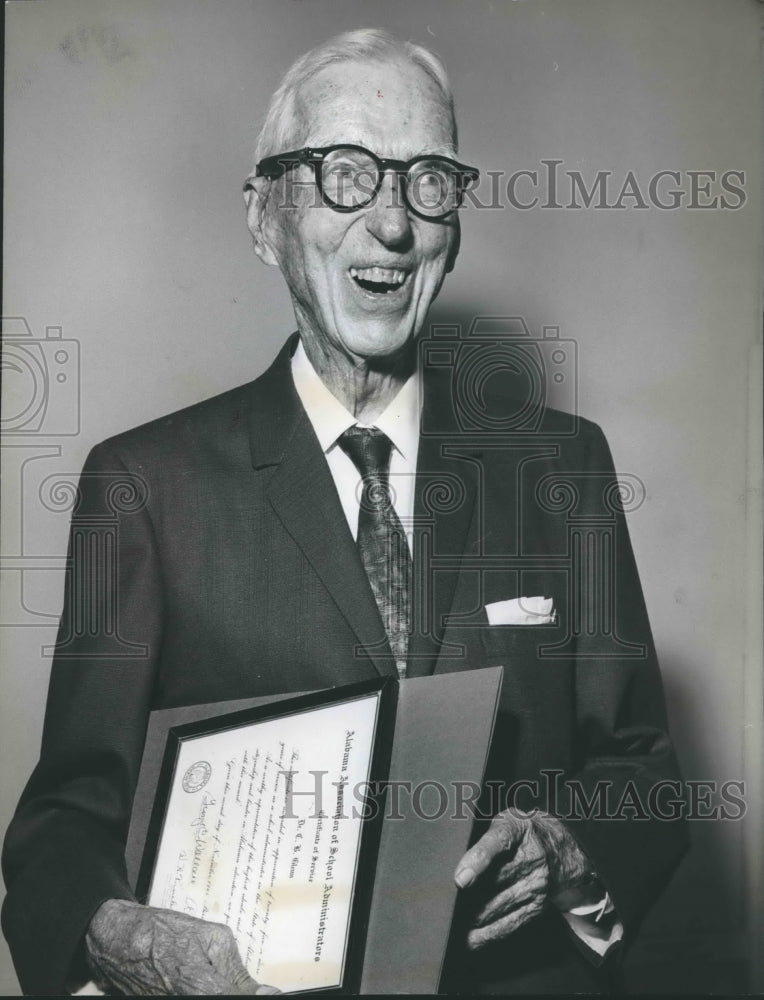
(519, 645)
(538, 691)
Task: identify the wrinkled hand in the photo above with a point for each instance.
(520, 865)
(136, 949)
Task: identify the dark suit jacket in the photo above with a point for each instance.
(210, 560)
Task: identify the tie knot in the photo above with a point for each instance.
(369, 448)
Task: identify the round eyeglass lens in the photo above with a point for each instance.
(349, 177)
(433, 187)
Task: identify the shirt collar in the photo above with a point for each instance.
(400, 420)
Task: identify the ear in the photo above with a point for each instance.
(453, 253)
(257, 191)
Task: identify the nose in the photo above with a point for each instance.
(388, 218)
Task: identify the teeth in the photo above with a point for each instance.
(386, 275)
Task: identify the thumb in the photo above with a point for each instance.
(243, 984)
(505, 831)
(252, 988)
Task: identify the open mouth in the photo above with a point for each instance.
(379, 280)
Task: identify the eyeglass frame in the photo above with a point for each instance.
(273, 167)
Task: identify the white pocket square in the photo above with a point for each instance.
(521, 611)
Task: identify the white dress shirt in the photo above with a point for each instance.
(400, 422)
(595, 925)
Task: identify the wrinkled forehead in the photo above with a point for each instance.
(394, 108)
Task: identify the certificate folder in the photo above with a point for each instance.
(381, 923)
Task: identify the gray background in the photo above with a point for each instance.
(129, 127)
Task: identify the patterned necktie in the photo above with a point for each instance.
(381, 539)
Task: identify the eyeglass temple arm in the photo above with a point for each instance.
(274, 166)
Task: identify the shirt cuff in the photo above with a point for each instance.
(596, 925)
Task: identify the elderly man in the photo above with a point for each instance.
(249, 567)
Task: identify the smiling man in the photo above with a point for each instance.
(363, 276)
(250, 567)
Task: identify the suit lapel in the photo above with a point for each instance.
(445, 526)
(304, 497)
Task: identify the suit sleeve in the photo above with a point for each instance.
(64, 850)
(624, 803)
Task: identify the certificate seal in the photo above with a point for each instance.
(197, 776)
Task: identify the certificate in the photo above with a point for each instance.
(269, 814)
(265, 821)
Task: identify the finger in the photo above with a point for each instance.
(533, 887)
(132, 979)
(526, 862)
(528, 856)
(198, 957)
(500, 929)
(196, 979)
(504, 832)
(246, 986)
(254, 989)
(223, 952)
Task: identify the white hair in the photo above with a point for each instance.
(280, 125)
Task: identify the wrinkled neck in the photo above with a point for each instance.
(364, 386)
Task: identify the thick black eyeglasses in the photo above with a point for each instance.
(349, 177)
